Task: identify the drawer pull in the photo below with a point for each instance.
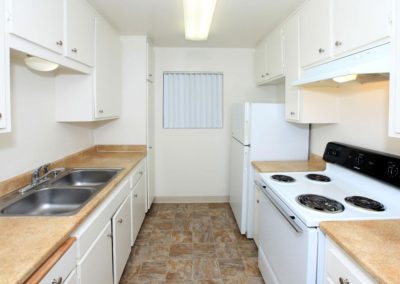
(57, 281)
(74, 50)
(321, 50)
(338, 43)
(120, 220)
(343, 281)
(59, 43)
(135, 195)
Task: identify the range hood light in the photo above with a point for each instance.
(345, 78)
(40, 64)
(198, 18)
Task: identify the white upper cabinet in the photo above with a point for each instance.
(39, 21)
(269, 58)
(108, 71)
(357, 23)
(5, 112)
(315, 37)
(274, 54)
(80, 21)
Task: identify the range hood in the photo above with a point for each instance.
(367, 66)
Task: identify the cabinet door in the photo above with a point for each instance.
(39, 21)
(315, 23)
(96, 265)
(121, 223)
(260, 62)
(257, 197)
(80, 23)
(108, 71)
(291, 59)
(274, 54)
(360, 22)
(138, 206)
(72, 278)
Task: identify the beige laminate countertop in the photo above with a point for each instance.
(375, 245)
(314, 164)
(27, 242)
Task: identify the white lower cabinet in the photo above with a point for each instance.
(63, 269)
(121, 225)
(340, 268)
(96, 265)
(138, 206)
(72, 278)
(257, 196)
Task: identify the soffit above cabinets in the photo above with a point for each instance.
(236, 23)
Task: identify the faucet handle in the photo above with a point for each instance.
(46, 168)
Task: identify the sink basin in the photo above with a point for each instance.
(86, 177)
(50, 201)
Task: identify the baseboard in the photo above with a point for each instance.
(191, 199)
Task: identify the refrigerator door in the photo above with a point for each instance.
(238, 182)
(241, 123)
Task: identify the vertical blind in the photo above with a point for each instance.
(193, 100)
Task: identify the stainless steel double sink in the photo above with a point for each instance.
(66, 194)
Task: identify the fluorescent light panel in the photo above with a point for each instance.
(345, 78)
(198, 18)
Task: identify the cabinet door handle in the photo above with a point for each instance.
(343, 281)
(338, 43)
(267, 74)
(57, 281)
(1, 115)
(110, 235)
(120, 220)
(74, 50)
(59, 43)
(101, 111)
(135, 195)
(321, 50)
(262, 76)
(258, 201)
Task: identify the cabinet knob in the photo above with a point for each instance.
(57, 281)
(262, 76)
(343, 281)
(120, 220)
(292, 113)
(74, 50)
(1, 115)
(258, 201)
(321, 50)
(338, 43)
(109, 235)
(150, 75)
(59, 43)
(135, 195)
(101, 111)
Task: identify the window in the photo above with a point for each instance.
(193, 100)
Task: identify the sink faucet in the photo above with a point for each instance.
(37, 179)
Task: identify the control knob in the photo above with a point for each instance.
(392, 171)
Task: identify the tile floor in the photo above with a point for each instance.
(191, 243)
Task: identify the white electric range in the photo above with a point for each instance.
(358, 184)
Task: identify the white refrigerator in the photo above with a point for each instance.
(259, 133)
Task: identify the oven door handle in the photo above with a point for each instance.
(284, 214)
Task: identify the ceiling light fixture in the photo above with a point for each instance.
(345, 78)
(198, 18)
(40, 64)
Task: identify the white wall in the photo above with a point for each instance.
(130, 128)
(364, 116)
(195, 162)
(36, 138)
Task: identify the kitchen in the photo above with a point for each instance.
(66, 117)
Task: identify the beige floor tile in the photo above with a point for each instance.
(206, 250)
(179, 270)
(231, 268)
(251, 267)
(224, 236)
(227, 250)
(205, 269)
(153, 270)
(181, 236)
(203, 236)
(181, 251)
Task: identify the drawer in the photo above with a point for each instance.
(64, 266)
(340, 267)
(139, 172)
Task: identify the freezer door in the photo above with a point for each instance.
(238, 182)
(241, 123)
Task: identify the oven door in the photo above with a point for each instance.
(288, 249)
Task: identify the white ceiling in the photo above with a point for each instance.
(237, 23)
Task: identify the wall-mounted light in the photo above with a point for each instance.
(40, 64)
(198, 18)
(345, 78)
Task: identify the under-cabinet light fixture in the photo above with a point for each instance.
(198, 18)
(40, 64)
(345, 78)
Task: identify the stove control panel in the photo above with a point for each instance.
(382, 166)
